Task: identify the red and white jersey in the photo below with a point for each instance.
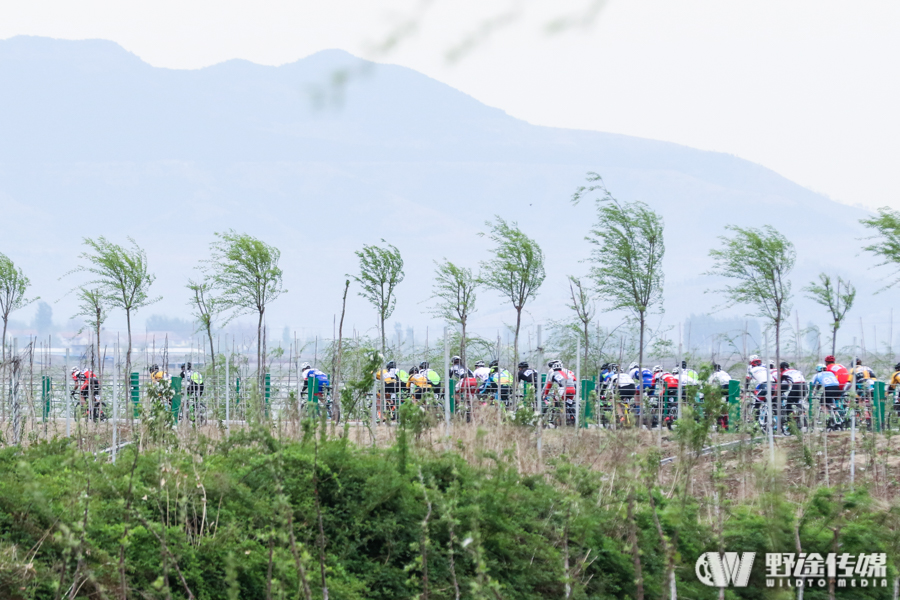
(564, 378)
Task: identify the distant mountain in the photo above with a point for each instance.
(94, 141)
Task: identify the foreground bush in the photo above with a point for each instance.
(253, 517)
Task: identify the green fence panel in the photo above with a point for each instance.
(268, 394)
(734, 403)
(587, 409)
(176, 399)
(45, 396)
(237, 390)
(452, 398)
(878, 401)
(135, 387)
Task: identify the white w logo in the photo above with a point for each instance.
(720, 570)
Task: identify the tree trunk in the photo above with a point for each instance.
(462, 343)
(212, 348)
(516, 338)
(128, 357)
(5, 321)
(259, 346)
(587, 341)
(777, 385)
(834, 331)
(640, 381)
(100, 362)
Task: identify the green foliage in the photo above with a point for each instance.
(380, 272)
(454, 292)
(886, 244)
(758, 261)
(119, 274)
(628, 253)
(830, 296)
(516, 270)
(233, 512)
(245, 273)
(13, 285)
(93, 307)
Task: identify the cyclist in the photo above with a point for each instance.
(832, 390)
(308, 373)
(417, 382)
(526, 374)
(794, 387)
(564, 379)
(433, 377)
(481, 372)
(758, 378)
(645, 376)
(157, 375)
(865, 378)
(839, 370)
(499, 382)
(458, 370)
(624, 384)
(687, 376)
(894, 386)
(719, 377)
(195, 380)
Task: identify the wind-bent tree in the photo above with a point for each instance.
(516, 271)
(829, 295)
(13, 285)
(886, 241)
(93, 306)
(244, 273)
(627, 257)
(380, 272)
(121, 277)
(758, 261)
(205, 308)
(454, 294)
(584, 311)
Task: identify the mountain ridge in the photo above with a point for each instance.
(402, 157)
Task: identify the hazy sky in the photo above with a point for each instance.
(808, 88)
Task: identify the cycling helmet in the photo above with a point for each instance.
(717, 367)
(189, 366)
(897, 367)
(633, 365)
(455, 359)
(154, 368)
(75, 371)
(605, 367)
(181, 366)
(523, 365)
(829, 359)
(755, 360)
(858, 362)
(657, 369)
(555, 365)
(391, 365)
(684, 364)
(306, 366)
(479, 363)
(771, 365)
(676, 371)
(820, 368)
(494, 363)
(413, 370)
(423, 365)
(613, 368)
(785, 365)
